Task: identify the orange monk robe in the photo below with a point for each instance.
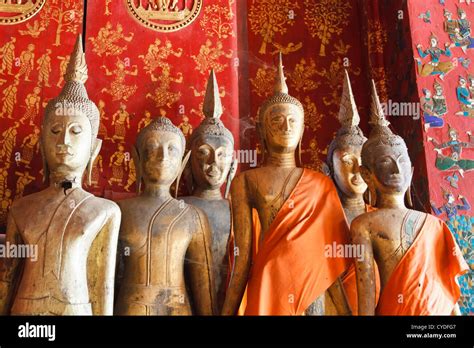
(291, 268)
(349, 280)
(424, 281)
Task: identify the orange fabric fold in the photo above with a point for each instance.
(349, 280)
(424, 281)
(290, 269)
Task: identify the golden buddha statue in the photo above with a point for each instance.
(417, 256)
(283, 263)
(211, 166)
(165, 244)
(76, 233)
(344, 162)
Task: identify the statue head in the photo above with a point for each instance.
(281, 118)
(69, 141)
(211, 144)
(158, 153)
(344, 153)
(386, 165)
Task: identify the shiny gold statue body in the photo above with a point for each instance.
(267, 189)
(76, 233)
(165, 244)
(389, 233)
(212, 146)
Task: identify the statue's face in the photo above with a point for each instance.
(283, 127)
(450, 198)
(161, 155)
(391, 169)
(346, 164)
(211, 158)
(67, 141)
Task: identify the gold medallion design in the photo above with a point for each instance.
(164, 15)
(14, 12)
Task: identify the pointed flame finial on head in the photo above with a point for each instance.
(348, 113)
(212, 101)
(377, 117)
(77, 67)
(280, 81)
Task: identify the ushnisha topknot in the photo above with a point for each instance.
(74, 94)
(162, 124)
(280, 93)
(349, 134)
(212, 109)
(380, 133)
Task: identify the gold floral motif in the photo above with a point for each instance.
(107, 9)
(325, 19)
(209, 56)
(107, 40)
(377, 37)
(15, 12)
(270, 17)
(67, 14)
(312, 117)
(314, 151)
(290, 48)
(217, 20)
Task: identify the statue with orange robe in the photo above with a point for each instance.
(300, 216)
(417, 256)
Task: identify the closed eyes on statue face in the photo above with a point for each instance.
(392, 169)
(283, 127)
(161, 157)
(211, 158)
(67, 141)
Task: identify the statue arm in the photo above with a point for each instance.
(365, 272)
(242, 229)
(199, 268)
(339, 297)
(10, 267)
(101, 264)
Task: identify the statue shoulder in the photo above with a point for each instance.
(110, 206)
(29, 201)
(199, 217)
(363, 220)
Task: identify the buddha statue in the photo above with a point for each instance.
(165, 244)
(283, 264)
(343, 163)
(417, 256)
(210, 167)
(75, 232)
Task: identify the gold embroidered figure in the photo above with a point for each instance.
(27, 62)
(313, 118)
(325, 19)
(44, 68)
(208, 57)
(30, 147)
(303, 76)
(198, 112)
(4, 178)
(103, 134)
(7, 54)
(9, 99)
(24, 179)
(5, 204)
(118, 89)
(156, 57)
(186, 127)
(162, 96)
(62, 69)
(8, 142)
(33, 30)
(270, 17)
(97, 169)
(132, 175)
(145, 121)
(290, 48)
(121, 121)
(313, 151)
(106, 42)
(32, 106)
(263, 81)
(118, 162)
(107, 9)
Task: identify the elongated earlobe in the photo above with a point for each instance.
(45, 164)
(90, 164)
(230, 176)
(183, 165)
(138, 168)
